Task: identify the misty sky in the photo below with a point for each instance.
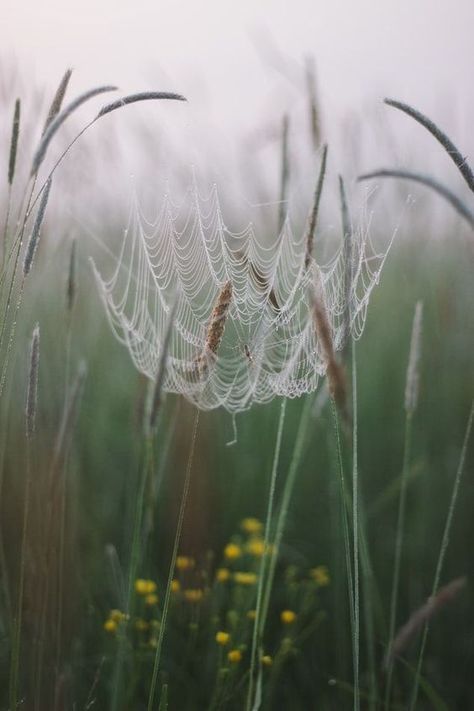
(225, 51)
(240, 64)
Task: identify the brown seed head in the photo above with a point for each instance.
(216, 327)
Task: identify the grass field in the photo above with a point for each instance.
(92, 615)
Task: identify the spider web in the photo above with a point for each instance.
(269, 346)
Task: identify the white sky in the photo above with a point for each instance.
(416, 49)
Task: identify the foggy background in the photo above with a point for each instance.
(242, 67)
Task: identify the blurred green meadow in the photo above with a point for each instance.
(91, 619)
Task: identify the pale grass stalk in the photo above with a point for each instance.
(30, 422)
(443, 549)
(285, 173)
(355, 524)
(254, 699)
(177, 540)
(285, 503)
(411, 401)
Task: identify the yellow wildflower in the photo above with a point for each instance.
(242, 578)
(288, 617)
(222, 575)
(251, 614)
(232, 551)
(141, 625)
(222, 638)
(184, 562)
(110, 625)
(320, 575)
(256, 547)
(151, 600)
(144, 587)
(266, 660)
(175, 586)
(234, 656)
(153, 642)
(251, 525)
(193, 595)
(117, 616)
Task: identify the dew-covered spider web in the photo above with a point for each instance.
(187, 259)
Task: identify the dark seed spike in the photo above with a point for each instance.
(456, 156)
(142, 96)
(315, 211)
(33, 241)
(430, 182)
(14, 142)
(58, 99)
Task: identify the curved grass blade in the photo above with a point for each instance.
(430, 182)
(456, 156)
(59, 120)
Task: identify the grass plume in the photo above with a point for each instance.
(58, 99)
(421, 616)
(34, 238)
(141, 96)
(14, 142)
(216, 327)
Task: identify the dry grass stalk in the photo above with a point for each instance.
(456, 156)
(285, 172)
(348, 253)
(32, 389)
(58, 99)
(421, 616)
(69, 417)
(161, 372)
(33, 241)
(14, 142)
(216, 327)
(142, 96)
(334, 370)
(413, 371)
(58, 121)
(263, 283)
(314, 213)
